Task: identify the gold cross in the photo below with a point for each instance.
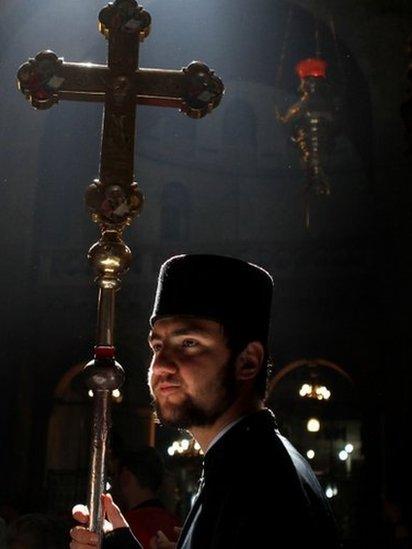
(114, 199)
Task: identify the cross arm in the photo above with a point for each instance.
(195, 89)
(47, 78)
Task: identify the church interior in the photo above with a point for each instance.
(303, 168)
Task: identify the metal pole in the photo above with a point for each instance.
(105, 315)
(110, 258)
(97, 475)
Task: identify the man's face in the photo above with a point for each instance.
(191, 375)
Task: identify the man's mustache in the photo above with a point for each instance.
(167, 380)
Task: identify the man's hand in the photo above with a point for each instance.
(81, 537)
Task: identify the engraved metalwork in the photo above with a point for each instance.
(113, 206)
(203, 91)
(41, 78)
(126, 17)
(110, 258)
(113, 200)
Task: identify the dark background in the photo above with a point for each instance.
(230, 184)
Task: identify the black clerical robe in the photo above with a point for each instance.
(258, 492)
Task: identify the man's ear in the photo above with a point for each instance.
(249, 362)
(125, 477)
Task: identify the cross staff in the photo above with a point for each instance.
(114, 199)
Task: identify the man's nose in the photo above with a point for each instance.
(163, 362)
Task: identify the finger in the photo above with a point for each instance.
(82, 536)
(113, 512)
(81, 513)
(161, 537)
(163, 542)
(177, 529)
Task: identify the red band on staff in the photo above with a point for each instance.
(104, 351)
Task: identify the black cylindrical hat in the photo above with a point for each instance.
(228, 290)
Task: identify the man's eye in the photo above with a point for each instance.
(187, 343)
(156, 347)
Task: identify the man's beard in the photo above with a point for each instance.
(190, 413)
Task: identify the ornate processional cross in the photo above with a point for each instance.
(114, 199)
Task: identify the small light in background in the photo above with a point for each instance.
(313, 425)
(331, 491)
(322, 392)
(343, 455)
(349, 448)
(310, 454)
(317, 392)
(185, 447)
(305, 389)
(116, 395)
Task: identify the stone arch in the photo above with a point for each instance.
(301, 363)
(339, 470)
(284, 386)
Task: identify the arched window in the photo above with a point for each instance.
(318, 406)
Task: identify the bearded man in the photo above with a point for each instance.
(209, 338)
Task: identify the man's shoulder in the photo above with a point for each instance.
(258, 428)
(256, 445)
(253, 440)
